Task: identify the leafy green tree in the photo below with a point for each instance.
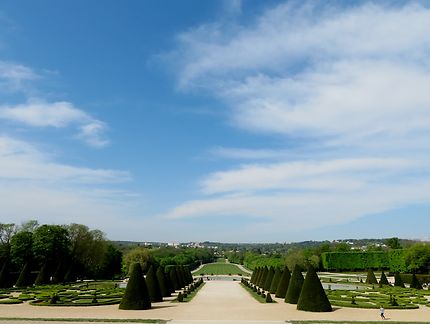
(43, 276)
(295, 286)
(312, 296)
(112, 262)
(6, 233)
(24, 279)
(140, 255)
(51, 244)
(418, 258)
(21, 247)
(5, 280)
(136, 295)
(89, 250)
(393, 243)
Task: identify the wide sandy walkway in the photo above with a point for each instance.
(217, 300)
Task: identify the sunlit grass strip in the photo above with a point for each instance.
(349, 322)
(193, 293)
(190, 296)
(220, 269)
(256, 296)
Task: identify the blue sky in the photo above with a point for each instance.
(234, 121)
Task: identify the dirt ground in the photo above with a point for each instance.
(217, 300)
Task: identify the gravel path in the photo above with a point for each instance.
(222, 302)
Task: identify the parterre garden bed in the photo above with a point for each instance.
(405, 298)
(82, 294)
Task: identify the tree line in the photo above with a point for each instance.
(64, 253)
(406, 256)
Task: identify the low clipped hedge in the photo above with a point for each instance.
(10, 301)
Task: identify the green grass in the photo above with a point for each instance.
(256, 296)
(193, 294)
(350, 322)
(219, 268)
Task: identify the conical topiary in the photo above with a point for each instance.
(313, 297)
(383, 280)
(269, 278)
(165, 292)
(269, 298)
(415, 283)
(275, 281)
(281, 290)
(295, 286)
(258, 275)
(24, 279)
(43, 276)
(371, 279)
(136, 294)
(180, 276)
(253, 276)
(263, 277)
(153, 286)
(398, 282)
(174, 278)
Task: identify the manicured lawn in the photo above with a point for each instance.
(219, 268)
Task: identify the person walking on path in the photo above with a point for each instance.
(382, 311)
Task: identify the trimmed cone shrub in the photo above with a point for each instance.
(415, 283)
(398, 282)
(43, 276)
(253, 276)
(153, 286)
(165, 292)
(269, 298)
(371, 279)
(136, 294)
(258, 276)
(313, 297)
(174, 279)
(263, 277)
(180, 276)
(275, 281)
(269, 278)
(383, 280)
(24, 279)
(281, 290)
(295, 286)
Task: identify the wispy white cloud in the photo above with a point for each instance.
(337, 175)
(351, 80)
(15, 77)
(59, 115)
(24, 161)
(34, 185)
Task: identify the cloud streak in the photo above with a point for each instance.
(58, 115)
